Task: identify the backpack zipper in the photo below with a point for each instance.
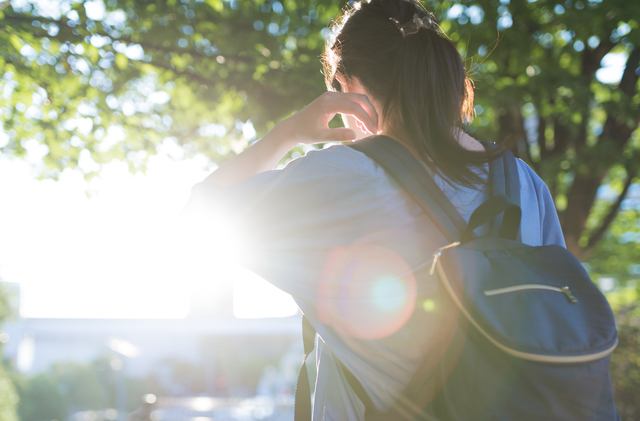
(513, 352)
(438, 253)
(565, 290)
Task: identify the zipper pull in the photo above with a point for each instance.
(572, 299)
(438, 253)
(435, 260)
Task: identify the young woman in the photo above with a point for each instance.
(334, 231)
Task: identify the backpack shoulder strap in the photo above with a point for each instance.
(512, 177)
(405, 169)
(503, 174)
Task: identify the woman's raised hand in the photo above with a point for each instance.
(311, 124)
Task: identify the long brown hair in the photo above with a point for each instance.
(419, 79)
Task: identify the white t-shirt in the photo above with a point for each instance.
(334, 231)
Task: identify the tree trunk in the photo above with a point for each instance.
(512, 134)
(580, 199)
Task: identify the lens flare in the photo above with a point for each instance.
(366, 291)
(428, 305)
(389, 295)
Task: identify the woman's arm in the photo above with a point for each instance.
(309, 125)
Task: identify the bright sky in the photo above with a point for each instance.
(112, 255)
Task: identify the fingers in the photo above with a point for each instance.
(356, 105)
(368, 107)
(338, 135)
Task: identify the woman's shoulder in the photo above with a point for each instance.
(335, 161)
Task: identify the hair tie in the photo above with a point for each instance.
(415, 24)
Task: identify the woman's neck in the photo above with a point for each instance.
(469, 143)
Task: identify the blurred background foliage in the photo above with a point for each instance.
(9, 396)
(84, 83)
(625, 361)
(73, 387)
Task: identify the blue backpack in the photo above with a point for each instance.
(534, 333)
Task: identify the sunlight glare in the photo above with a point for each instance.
(253, 297)
(119, 253)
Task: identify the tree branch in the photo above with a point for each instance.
(591, 58)
(629, 76)
(193, 76)
(580, 198)
(64, 28)
(613, 211)
(619, 132)
(615, 127)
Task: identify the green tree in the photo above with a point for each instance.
(625, 361)
(616, 256)
(194, 72)
(40, 399)
(79, 386)
(9, 397)
(69, 387)
(70, 77)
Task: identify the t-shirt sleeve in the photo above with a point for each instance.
(551, 231)
(287, 222)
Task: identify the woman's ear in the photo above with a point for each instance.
(344, 84)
